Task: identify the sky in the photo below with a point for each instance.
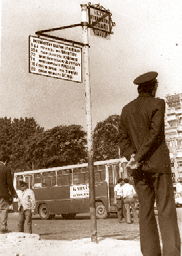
(147, 37)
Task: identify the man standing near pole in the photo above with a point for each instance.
(142, 142)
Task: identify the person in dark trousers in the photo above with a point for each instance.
(7, 192)
(142, 142)
(118, 200)
(129, 194)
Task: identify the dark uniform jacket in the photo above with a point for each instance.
(7, 190)
(142, 133)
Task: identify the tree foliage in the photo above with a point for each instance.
(59, 146)
(13, 136)
(30, 147)
(106, 135)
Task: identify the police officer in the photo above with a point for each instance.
(142, 142)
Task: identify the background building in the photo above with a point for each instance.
(173, 130)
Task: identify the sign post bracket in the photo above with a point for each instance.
(44, 33)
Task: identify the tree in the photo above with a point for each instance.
(106, 136)
(13, 136)
(6, 135)
(59, 146)
(30, 147)
(23, 130)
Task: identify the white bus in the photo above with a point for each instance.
(65, 190)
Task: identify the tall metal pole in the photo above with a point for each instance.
(84, 11)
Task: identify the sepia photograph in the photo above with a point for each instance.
(90, 128)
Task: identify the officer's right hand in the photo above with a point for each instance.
(133, 164)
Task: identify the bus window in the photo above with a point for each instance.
(37, 180)
(52, 176)
(116, 172)
(78, 176)
(86, 174)
(102, 170)
(66, 172)
(100, 173)
(18, 178)
(48, 179)
(28, 179)
(110, 174)
(87, 177)
(101, 167)
(63, 177)
(97, 174)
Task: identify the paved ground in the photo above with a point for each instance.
(79, 228)
(18, 244)
(72, 237)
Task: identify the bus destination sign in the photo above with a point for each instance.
(55, 59)
(101, 28)
(79, 191)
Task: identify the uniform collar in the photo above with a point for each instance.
(145, 95)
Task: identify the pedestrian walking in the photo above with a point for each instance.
(7, 192)
(26, 206)
(142, 142)
(118, 199)
(129, 195)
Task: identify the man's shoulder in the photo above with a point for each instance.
(127, 185)
(29, 190)
(158, 100)
(131, 103)
(19, 192)
(131, 186)
(144, 100)
(126, 109)
(157, 103)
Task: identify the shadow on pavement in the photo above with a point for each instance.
(78, 217)
(128, 236)
(57, 236)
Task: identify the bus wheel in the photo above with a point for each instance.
(69, 216)
(101, 212)
(43, 212)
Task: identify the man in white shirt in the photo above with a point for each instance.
(26, 206)
(118, 199)
(129, 194)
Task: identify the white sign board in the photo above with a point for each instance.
(79, 191)
(54, 59)
(102, 28)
